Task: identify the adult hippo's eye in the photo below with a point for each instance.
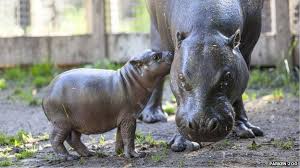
(226, 81)
(156, 57)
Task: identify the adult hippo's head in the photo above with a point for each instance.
(208, 74)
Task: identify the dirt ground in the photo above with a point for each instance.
(278, 118)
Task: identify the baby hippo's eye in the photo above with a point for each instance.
(156, 57)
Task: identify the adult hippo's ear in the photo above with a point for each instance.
(235, 39)
(180, 36)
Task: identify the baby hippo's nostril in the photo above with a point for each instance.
(213, 124)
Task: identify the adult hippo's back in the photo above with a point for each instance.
(212, 41)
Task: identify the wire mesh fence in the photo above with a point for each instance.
(42, 17)
(126, 16)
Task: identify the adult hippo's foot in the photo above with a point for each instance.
(178, 144)
(153, 111)
(243, 128)
(153, 114)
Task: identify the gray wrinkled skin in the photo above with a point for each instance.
(212, 41)
(92, 101)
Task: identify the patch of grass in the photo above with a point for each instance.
(278, 94)
(100, 155)
(82, 161)
(25, 154)
(273, 79)
(248, 96)
(6, 162)
(27, 96)
(156, 157)
(15, 74)
(3, 84)
(105, 64)
(101, 140)
(181, 163)
(147, 140)
(42, 74)
(169, 108)
(254, 146)
(19, 139)
(225, 144)
(160, 155)
(43, 137)
(283, 144)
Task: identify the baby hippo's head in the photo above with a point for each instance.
(152, 64)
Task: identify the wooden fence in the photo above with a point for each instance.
(281, 25)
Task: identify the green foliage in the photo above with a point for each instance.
(101, 140)
(141, 139)
(82, 161)
(283, 144)
(6, 162)
(15, 74)
(278, 94)
(42, 74)
(25, 154)
(3, 84)
(273, 79)
(169, 108)
(19, 139)
(42, 70)
(225, 144)
(254, 146)
(156, 157)
(27, 96)
(248, 95)
(101, 155)
(41, 81)
(105, 64)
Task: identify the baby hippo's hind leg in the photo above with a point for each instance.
(128, 127)
(119, 148)
(75, 142)
(57, 138)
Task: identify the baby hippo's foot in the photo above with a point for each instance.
(153, 114)
(67, 157)
(178, 144)
(134, 154)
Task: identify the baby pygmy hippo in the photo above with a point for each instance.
(92, 101)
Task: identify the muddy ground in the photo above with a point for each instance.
(279, 118)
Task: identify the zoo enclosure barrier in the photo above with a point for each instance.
(69, 32)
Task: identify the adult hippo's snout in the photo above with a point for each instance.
(210, 125)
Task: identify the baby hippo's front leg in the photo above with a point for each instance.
(127, 129)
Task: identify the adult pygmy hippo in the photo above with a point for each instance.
(91, 101)
(212, 41)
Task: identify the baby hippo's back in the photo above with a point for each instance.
(86, 100)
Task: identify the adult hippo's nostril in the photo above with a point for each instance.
(213, 124)
(192, 124)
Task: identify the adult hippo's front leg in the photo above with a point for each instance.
(250, 36)
(153, 111)
(243, 128)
